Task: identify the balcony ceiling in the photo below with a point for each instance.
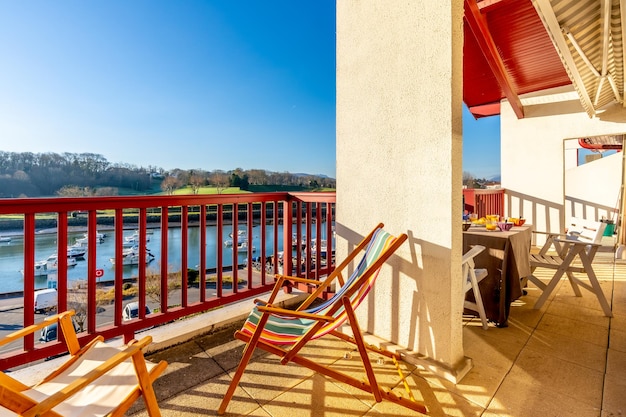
(514, 47)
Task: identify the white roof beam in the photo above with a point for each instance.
(622, 9)
(544, 8)
(605, 25)
(582, 54)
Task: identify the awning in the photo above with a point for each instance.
(515, 47)
(602, 143)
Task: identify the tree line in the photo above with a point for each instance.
(27, 174)
(469, 181)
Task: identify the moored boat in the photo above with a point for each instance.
(243, 247)
(82, 241)
(50, 264)
(134, 238)
(242, 236)
(131, 257)
(76, 251)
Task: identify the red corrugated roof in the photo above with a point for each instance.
(523, 46)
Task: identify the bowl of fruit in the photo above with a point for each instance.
(505, 226)
(517, 221)
(491, 226)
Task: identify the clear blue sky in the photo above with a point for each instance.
(481, 145)
(209, 84)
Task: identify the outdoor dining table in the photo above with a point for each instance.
(506, 259)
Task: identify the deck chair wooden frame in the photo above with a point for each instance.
(75, 386)
(581, 242)
(324, 319)
(471, 279)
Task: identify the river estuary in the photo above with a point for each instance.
(12, 260)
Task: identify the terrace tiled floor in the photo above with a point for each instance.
(566, 359)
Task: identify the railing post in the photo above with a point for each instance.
(235, 258)
(29, 276)
(263, 254)
(183, 252)
(62, 286)
(164, 263)
(220, 252)
(141, 275)
(91, 271)
(287, 236)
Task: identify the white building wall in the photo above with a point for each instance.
(399, 150)
(592, 190)
(532, 154)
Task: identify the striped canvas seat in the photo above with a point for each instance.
(285, 332)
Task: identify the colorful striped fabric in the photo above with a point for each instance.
(282, 330)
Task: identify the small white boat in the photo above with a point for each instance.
(50, 264)
(131, 257)
(41, 269)
(243, 247)
(134, 238)
(76, 251)
(242, 236)
(323, 245)
(53, 261)
(294, 241)
(5, 239)
(83, 241)
(129, 245)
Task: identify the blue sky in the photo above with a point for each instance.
(209, 84)
(481, 145)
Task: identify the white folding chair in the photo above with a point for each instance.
(471, 278)
(581, 241)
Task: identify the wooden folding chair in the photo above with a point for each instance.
(285, 332)
(471, 279)
(581, 242)
(97, 380)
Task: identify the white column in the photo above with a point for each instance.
(399, 149)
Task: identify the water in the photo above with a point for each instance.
(12, 257)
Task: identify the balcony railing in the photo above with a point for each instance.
(484, 201)
(281, 224)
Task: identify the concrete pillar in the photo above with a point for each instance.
(399, 150)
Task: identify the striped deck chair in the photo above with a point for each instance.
(285, 332)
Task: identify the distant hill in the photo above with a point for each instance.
(72, 175)
(302, 174)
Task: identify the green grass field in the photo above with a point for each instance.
(210, 190)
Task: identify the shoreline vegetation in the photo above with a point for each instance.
(26, 174)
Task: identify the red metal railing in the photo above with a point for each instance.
(483, 201)
(301, 215)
